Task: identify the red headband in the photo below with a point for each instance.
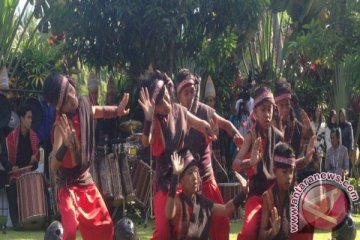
(182, 84)
(284, 160)
(158, 86)
(64, 84)
(267, 95)
(286, 96)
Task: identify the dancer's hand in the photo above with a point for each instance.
(147, 104)
(275, 221)
(244, 184)
(121, 111)
(66, 131)
(310, 150)
(306, 123)
(177, 163)
(255, 152)
(214, 126)
(238, 140)
(209, 133)
(33, 160)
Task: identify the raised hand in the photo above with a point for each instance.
(177, 163)
(147, 104)
(310, 150)
(121, 111)
(306, 123)
(275, 221)
(255, 152)
(66, 131)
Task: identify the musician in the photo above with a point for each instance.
(5, 165)
(187, 87)
(22, 147)
(80, 203)
(166, 124)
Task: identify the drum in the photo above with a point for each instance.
(94, 166)
(31, 200)
(110, 179)
(229, 191)
(140, 177)
(125, 174)
(19, 172)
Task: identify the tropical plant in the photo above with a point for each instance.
(14, 29)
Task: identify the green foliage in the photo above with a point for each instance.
(322, 54)
(131, 35)
(36, 62)
(14, 28)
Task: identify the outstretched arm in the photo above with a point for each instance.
(201, 126)
(230, 129)
(112, 111)
(228, 208)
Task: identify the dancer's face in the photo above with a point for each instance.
(71, 101)
(264, 114)
(186, 95)
(284, 108)
(190, 182)
(164, 106)
(284, 177)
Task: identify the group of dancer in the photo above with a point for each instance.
(180, 134)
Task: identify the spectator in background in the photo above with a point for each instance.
(337, 158)
(347, 134)
(331, 124)
(318, 126)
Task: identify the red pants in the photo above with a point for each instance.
(162, 225)
(220, 226)
(84, 208)
(253, 209)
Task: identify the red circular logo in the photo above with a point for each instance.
(324, 206)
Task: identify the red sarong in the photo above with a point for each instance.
(162, 224)
(83, 208)
(220, 226)
(252, 221)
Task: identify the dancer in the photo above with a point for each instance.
(187, 87)
(190, 211)
(275, 221)
(165, 127)
(80, 203)
(255, 157)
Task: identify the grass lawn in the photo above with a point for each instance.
(146, 233)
